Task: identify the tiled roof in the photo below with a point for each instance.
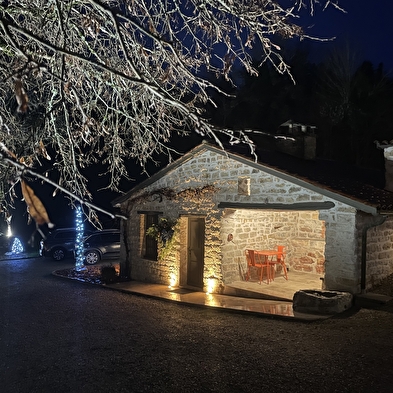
(363, 185)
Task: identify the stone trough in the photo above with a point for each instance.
(321, 302)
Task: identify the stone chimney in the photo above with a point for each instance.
(297, 139)
(387, 148)
(388, 154)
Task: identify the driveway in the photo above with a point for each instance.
(59, 335)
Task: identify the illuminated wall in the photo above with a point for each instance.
(323, 242)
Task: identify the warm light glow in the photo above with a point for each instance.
(9, 231)
(211, 284)
(172, 280)
(213, 301)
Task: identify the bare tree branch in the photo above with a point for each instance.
(112, 80)
(23, 169)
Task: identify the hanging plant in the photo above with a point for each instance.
(163, 230)
(195, 194)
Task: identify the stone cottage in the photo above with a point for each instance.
(216, 204)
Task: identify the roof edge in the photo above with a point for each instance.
(206, 146)
(279, 206)
(171, 166)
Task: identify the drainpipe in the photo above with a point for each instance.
(363, 266)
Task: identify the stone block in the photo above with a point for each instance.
(321, 302)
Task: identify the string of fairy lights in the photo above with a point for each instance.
(79, 257)
(17, 246)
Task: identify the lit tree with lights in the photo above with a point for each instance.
(88, 81)
(79, 257)
(17, 246)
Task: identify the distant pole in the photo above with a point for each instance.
(79, 258)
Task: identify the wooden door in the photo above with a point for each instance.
(195, 260)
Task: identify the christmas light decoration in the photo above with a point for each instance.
(79, 258)
(17, 246)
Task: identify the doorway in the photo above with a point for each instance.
(195, 251)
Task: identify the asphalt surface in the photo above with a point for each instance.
(59, 335)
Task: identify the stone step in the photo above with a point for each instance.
(371, 300)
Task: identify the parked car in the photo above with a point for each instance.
(5, 243)
(103, 244)
(60, 243)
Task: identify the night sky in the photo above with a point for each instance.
(367, 27)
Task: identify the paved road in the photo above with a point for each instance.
(58, 335)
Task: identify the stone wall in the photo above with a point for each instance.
(315, 240)
(379, 251)
(301, 232)
(170, 268)
(342, 266)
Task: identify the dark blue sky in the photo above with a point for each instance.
(367, 27)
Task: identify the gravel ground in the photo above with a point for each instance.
(90, 274)
(59, 335)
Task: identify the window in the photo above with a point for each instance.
(150, 242)
(111, 238)
(65, 235)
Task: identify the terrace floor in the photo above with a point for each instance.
(279, 289)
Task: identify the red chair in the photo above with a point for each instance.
(281, 260)
(254, 261)
(262, 261)
(250, 257)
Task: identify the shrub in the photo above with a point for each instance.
(108, 274)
